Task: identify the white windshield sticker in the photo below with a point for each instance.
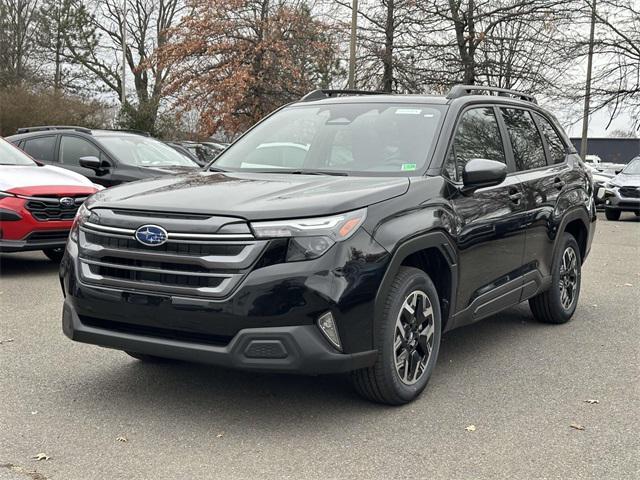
(408, 111)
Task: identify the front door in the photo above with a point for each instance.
(490, 235)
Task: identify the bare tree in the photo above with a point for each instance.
(18, 20)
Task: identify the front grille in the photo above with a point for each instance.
(629, 192)
(158, 332)
(194, 264)
(46, 209)
(49, 235)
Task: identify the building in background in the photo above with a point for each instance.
(614, 150)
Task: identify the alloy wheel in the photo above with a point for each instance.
(568, 277)
(413, 337)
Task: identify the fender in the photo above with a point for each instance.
(435, 239)
(577, 212)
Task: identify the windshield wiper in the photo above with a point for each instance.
(306, 172)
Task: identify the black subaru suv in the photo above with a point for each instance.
(106, 157)
(343, 233)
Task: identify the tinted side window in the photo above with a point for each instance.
(528, 151)
(73, 148)
(41, 148)
(557, 148)
(477, 136)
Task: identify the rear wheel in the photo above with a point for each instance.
(408, 340)
(558, 304)
(612, 214)
(54, 254)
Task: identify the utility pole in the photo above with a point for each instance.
(123, 93)
(352, 47)
(587, 90)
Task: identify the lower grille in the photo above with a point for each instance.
(629, 192)
(52, 235)
(157, 332)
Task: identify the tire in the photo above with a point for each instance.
(637, 214)
(384, 382)
(612, 214)
(552, 306)
(54, 254)
(148, 358)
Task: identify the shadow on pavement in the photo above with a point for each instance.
(188, 393)
(14, 264)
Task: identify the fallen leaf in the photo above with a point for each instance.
(591, 401)
(42, 456)
(220, 435)
(470, 428)
(577, 426)
(122, 439)
(8, 340)
(628, 285)
(35, 412)
(594, 305)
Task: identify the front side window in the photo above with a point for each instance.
(528, 151)
(349, 138)
(41, 148)
(72, 149)
(633, 167)
(557, 148)
(477, 137)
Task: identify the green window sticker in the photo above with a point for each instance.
(408, 166)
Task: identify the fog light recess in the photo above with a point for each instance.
(327, 326)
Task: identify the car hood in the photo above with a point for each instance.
(626, 180)
(252, 196)
(170, 169)
(16, 177)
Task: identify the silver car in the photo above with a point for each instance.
(622, 192)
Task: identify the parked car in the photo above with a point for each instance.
(37, 203)
(600, 178)
(106, 157)
(205, 152)
(622, 192)
(401, 217)
(184, 151)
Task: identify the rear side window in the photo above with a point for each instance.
(557, 148)
(72, 149)
(477, 136)
(41, 148)
(528, 150)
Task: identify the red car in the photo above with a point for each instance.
(37, 203)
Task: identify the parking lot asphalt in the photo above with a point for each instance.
(99, 414)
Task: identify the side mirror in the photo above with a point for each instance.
(94, 163)
(480, 173)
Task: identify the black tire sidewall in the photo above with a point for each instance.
(612, 214)
(54, 254)
(416, 280)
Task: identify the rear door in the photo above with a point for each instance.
(539, 155)
(490, 236)
(43, 148)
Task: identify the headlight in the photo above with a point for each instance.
(82, 215)
(611, 184)
(311, 237)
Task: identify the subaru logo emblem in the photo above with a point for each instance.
(67, 202)
(151, 235)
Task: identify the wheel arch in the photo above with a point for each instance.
(435, 254)
(576, 222)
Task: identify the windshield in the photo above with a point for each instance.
(356, 138)
(144, 152)
(10, 155)
(633, 167)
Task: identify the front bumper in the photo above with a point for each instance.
(293, 349)
(612, 199)
(36, 241)
(274, 311)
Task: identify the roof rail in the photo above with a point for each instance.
(328, 93)
(458, 91)
(129, 130)
(44, 128)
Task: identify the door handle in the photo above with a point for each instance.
(515, 197)
(559, 183)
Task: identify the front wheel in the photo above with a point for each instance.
(612, 214)
(54, 254)
(558, 304)
(407, 339)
